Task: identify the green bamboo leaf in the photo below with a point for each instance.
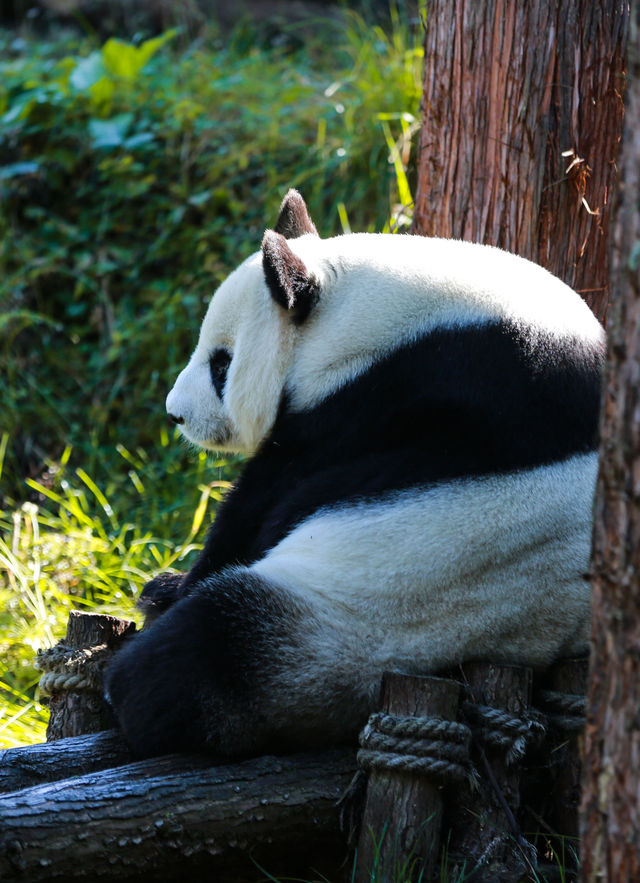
(110, 133)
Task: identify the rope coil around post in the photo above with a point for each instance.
(66, 668)
(501, 729)
(428, 746)
(566, 711)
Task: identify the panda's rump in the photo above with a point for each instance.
(453, 570)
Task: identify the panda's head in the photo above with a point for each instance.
(307, 316)
(228, 395)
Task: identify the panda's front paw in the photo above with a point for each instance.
(159, 595)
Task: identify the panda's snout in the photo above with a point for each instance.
(175, 408)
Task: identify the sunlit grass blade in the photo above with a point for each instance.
(100, 497)
(70, 504)
(4, 441)
(404, 191)
(344, 218)
(201, 509)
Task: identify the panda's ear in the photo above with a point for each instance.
(290, 283)
(294, 220)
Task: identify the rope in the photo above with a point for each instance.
(428, 746)
(564, 710)
(439, 749)
(66, 668)
(501, 729)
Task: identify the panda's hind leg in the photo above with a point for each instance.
(213, 671)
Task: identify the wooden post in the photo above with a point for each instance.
(76, 713)
(403, 811)
(483, 835)
(568, 678)
(551, 793)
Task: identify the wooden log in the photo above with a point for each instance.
(49, 761)
(151, 820)
(403, 811)
(482, 835)
(75, 712)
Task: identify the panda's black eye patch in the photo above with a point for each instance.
(219, 362)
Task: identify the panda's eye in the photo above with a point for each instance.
(219, 362)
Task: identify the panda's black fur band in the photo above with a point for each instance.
(459, 402)
(423, 419)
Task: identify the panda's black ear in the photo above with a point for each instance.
(294, 219)
(290, 283)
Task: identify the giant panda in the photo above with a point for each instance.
(420, 417)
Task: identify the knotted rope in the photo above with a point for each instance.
(501, 729)
(429, 746)
(66, 668)
(564, 710)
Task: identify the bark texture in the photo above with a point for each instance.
(403, 811)
(77, 713)
(610, 823)
(482, 835)
(50, 761)
(174, 816)
(522, 118)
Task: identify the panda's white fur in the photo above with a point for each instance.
(455, 389)
(523, 547)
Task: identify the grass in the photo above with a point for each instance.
(79, 550)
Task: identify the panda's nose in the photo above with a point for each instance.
(177, 420)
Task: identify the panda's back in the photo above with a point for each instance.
(383, 292)
(450, 281)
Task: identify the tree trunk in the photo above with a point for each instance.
(178, 817)
(610, 823)
(522, 117)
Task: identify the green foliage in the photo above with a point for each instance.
(133, 178)
(78, 550)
